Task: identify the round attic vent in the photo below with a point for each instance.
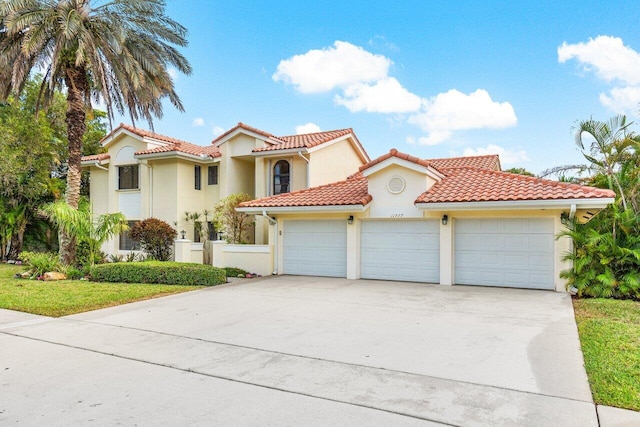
(396, 185)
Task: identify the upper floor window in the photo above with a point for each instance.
(197, 177)
(128, 177)
(281, 177)
(213, 175)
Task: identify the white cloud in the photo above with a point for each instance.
(622, 100)
(384, 96)
(454, 110)
(322, 70)
(199, 121)
(362, 84)
(613, 62)
(507, 157)
(607, 57)
(307, 128)
(217, 131)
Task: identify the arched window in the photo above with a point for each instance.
(281, 177)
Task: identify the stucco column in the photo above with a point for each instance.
(446, 252)
(183, 250)
(353, 250)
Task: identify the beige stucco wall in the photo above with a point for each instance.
(334, 162)
(165, 180)
(389, 205)
(99, 190)
(252, 258)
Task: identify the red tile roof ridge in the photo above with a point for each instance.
(394, 153)
(244, 126)
(144, 133)
(322, 132)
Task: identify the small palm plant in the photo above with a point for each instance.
(84, 225)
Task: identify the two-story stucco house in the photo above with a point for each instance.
(145, 174)
(322, 207)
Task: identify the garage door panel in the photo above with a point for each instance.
(505, 252)
(400, 250)
(315, 248)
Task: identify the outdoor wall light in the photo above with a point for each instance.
(350, 219)
(182, 234)
(445, 219)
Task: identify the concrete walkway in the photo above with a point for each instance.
(291, 351)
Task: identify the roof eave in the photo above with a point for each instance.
(178, 155)
(305, 209)
(89, 163)
(276, 152)
(599, 203)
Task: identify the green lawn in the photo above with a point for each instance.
(66, 297)
(610, 336)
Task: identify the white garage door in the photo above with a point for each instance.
(315, 248)
(400, 250)
(516, 253)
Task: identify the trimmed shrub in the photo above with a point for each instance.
(234, 271)
(155, 237)
(167, 273)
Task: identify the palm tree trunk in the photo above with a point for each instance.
(77, 87)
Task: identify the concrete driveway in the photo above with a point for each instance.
(302, 351)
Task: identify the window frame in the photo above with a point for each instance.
(197, 177)
(135, 177)
(279, 176)
(212, 178)
(124, 240)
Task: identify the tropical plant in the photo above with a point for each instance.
(609, 146)
(39, 263)
(155, 236)
(520, 171)
(118, 52)
(84, 226)
(235, 226)
(606, 250)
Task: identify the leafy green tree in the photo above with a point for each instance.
(117, 52)
(520, 171)
(235, 226)
(84, 226)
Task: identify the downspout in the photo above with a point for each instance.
(572, 212)
(306, 160)
(99, 166)
(275, 243)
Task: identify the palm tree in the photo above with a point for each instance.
(610, 144)
(118, 52)
(83, 224)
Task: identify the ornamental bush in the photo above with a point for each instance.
(155, 237)
(167, 273)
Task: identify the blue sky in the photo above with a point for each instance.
(430, 78)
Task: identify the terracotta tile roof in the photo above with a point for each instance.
(481, 185)
(491, 162)
(307, 140)
(96, 157)
(185, 147)
(173, 144)
(143, 133)
(349, 192)
(241, 125)
(395, 153)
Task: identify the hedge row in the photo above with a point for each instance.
(167, 273)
